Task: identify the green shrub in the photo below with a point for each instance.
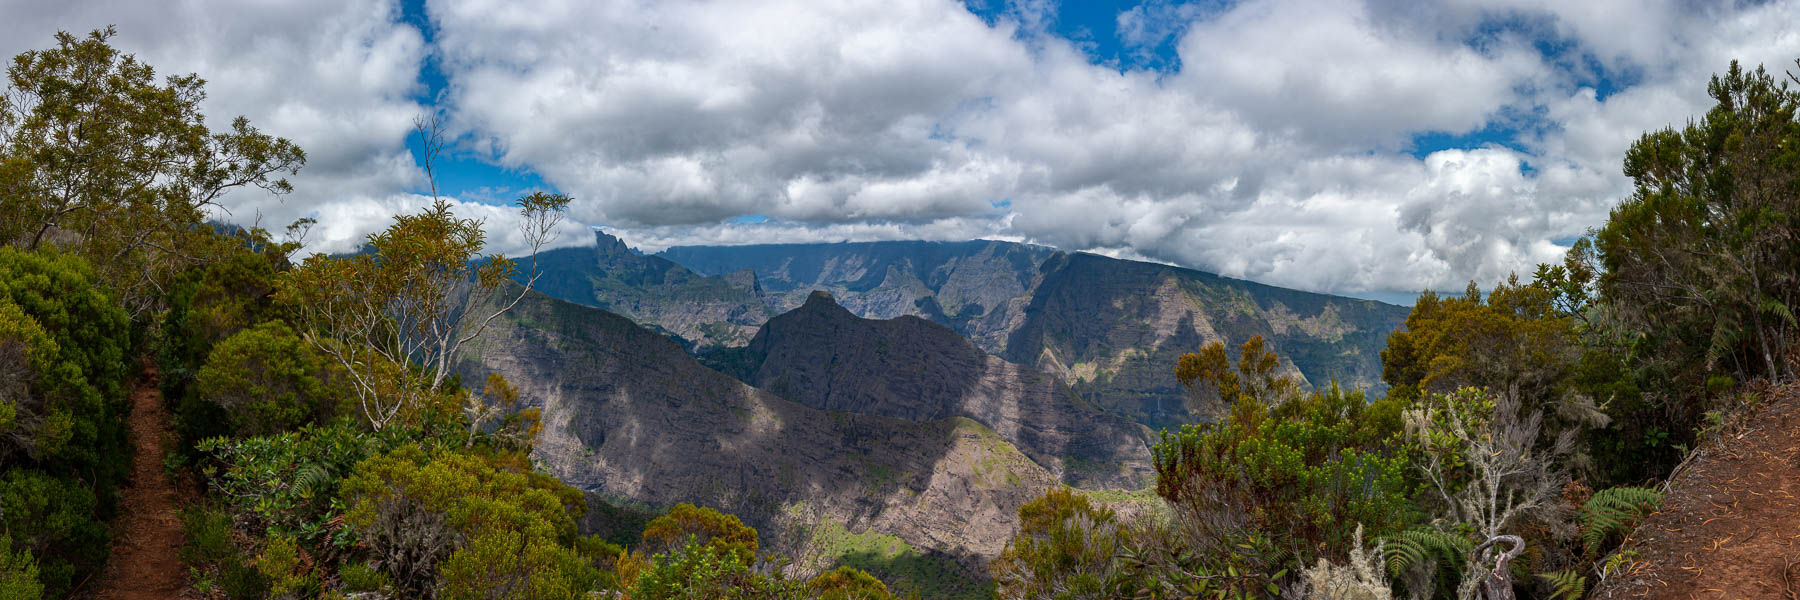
(287, 482)
(462, 525)
(18, 573)
(700, 571)
(717, 530)
(56, 516)
(360, 577)
(269, 380)
(846, 583)
(208, 535)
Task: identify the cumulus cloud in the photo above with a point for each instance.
(1276, 145)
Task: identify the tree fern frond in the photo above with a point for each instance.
(1420, 544)
(1565, 585)
(1613, 511)
(310, 480)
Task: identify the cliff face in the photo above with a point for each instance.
(973, 287)
(1109, 328)
(823, 356)
(628, 414)
(704, 310)
(1114, 329)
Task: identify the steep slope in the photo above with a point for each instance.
(971, 286)
(1110, 328)
(629, 415)
(1114, 329)
(823, 356)
(703, 310)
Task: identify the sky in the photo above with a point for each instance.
(1361, 147)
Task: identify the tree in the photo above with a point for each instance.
(1702, 257)
(397, 316)
(96, 156)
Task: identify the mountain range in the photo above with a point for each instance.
(885, 405)
(1108, 328)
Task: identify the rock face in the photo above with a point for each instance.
(628, 414)
(703, 310)
(1113, 329)
(1109, 328)
(823, 356)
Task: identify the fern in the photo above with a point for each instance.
(1613, 511)
(1421, 544)
(1565, 585)
(310, 480)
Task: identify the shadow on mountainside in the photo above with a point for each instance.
(628, 414)
(821, 355)
(1730, 526)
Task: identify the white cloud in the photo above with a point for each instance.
(336, 77)
(1278, 151)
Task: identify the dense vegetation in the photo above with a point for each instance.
(315, 403)
(1525, 430)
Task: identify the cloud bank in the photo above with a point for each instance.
(1341, 146)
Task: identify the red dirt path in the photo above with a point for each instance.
(1730, 527)
(147, 536)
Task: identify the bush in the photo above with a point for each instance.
(208, 535)
(18, 573)
(54, 518)
(360, 577)
(269, 380)
(846, 583)
(461, 525)
(709, 527)
(703, 572)
(286, 482)
(1065, 545)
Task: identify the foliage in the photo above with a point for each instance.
(704, 572)
(69, 341)
(269, 380)
(360, 577)
(422, 291)
(1361, 579)
(1565, 585)
(496, 409)
(846, 583)
(1066, 548)
(53, 519)
(1305, 470)
(287, 483)
(18, 573)
(436, 521)
(1417, 556)
(1479, 455)
(721, 532)
(1614, 511)
(1700, 259)
(96, 156)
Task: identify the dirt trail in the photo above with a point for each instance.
(147, 536)
(1730, 527)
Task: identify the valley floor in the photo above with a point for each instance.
(1730, 526)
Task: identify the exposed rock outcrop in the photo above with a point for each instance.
(823, 356)
(629, 414)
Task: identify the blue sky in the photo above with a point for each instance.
(1366, 147)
